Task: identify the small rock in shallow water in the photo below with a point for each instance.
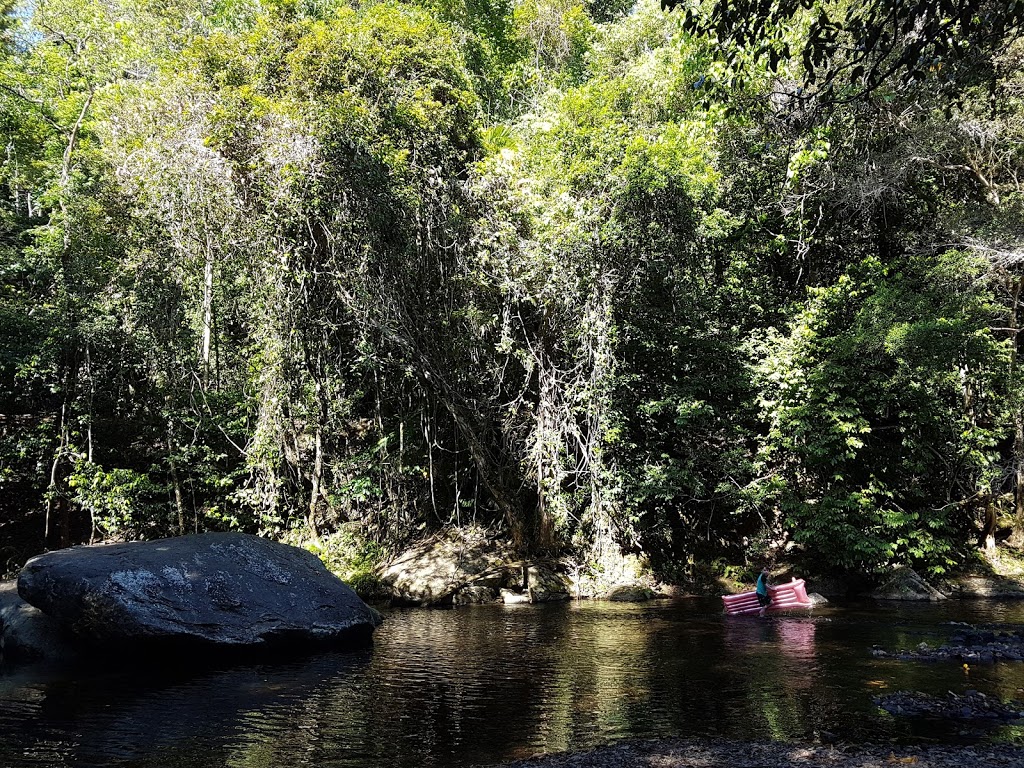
(972, 706)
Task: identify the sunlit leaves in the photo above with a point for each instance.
(882, 386)
(850, 50)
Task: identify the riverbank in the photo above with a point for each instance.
(696, 753)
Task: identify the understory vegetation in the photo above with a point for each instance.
(606, 279)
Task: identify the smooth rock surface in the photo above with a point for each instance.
(456, 566)
(28, 634)
(906, 584)
(990, 587)
(630, 593)
(221, 589)
(475, 594)
(545, 584)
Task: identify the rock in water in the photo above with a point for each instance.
(905, 584)
(629, 593)
(545, 584)
(26, 633)
(223, 589)
(456, 566)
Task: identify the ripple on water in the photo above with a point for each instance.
(491, 683)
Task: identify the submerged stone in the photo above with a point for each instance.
(972, 705)
(220, 589)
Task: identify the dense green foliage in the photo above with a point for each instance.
(848, 50)
(578, 272)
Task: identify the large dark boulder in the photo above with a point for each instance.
(216, 589)
(28, 634)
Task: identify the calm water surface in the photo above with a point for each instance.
(484, 684)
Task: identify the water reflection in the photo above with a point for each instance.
(162, 715)
(776, 666)
(493, 683)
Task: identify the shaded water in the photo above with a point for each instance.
(484, 684)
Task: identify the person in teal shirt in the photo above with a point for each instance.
(763, 598)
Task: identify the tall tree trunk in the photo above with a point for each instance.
(1015, 285)
(314, 494)
(1018, 472)
(58, 503)
(207, 309)
(546, 451)
(988, 532)
(489, 470)
(56, 499)
(172, 464)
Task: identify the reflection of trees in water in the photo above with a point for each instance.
(437, 678)
(776, 659)
(165, 715)
(602, 677)
(486, 684)
(632, 674)
(446, 677)
(568, 676)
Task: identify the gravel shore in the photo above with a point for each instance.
(687, 753)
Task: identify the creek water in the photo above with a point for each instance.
(485, 684)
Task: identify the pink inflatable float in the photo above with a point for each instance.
(792, 594)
